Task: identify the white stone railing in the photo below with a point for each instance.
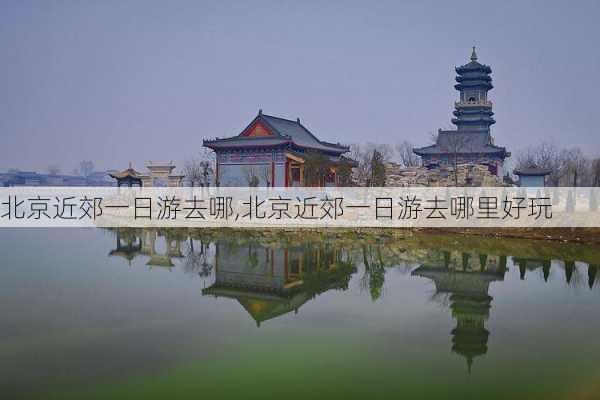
(485, 103)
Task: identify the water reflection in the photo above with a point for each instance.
(271, 275)
(131, 244)
(269, 282)
(146, 312)
(463, 281)
(275, 264)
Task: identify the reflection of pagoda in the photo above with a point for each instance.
(592, 272)
(270, 282)
(467, 282)
(470, 337)
(531, 264)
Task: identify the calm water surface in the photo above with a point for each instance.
(98, 314)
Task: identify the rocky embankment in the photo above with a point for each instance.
(466, 175)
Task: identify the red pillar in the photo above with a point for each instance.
(272, 173)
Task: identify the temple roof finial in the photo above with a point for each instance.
(473, 55)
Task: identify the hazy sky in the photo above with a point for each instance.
(120, 81)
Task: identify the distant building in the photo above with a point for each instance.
(532, 176)
(22, 178)
(472, 141)
(31, 178)
(272, 151)
(128, 177)
(159, 174)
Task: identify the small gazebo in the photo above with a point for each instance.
(128, 177)
(532, 176)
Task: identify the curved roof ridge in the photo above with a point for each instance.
(285, 132)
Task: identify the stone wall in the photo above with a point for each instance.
(468, 174)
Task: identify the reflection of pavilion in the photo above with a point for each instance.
(270, 282)
(467, 282)
(132, 244)
(128, 247)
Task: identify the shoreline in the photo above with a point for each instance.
(561, 235)
(564, 235)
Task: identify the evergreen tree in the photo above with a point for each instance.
(593, 200)
(315, 168)
(556, 196)
(377, 170)
(344, 174)
(570, 206)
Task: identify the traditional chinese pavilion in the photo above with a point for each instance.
(159, 174)
(532, 176)
(472, 141)
(273, 151)
(128, 177)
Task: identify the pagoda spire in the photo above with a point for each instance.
(473, 55)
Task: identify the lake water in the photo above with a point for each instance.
(104, 314)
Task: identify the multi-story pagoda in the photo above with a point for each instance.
(273, 151)
(472, 141)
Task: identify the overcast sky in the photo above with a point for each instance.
(120, 81)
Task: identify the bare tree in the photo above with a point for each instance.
(196, 262)
(192, 169)
(545, 156)
(206, 172)
(595, 172)
(251, 175)
(406, 155)
(569, 167)
(265, 174)
(200, 169)
(363, 155)
(363, 169)
(386, 151)
(453, 145)
(208, 164)
(575, 167)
